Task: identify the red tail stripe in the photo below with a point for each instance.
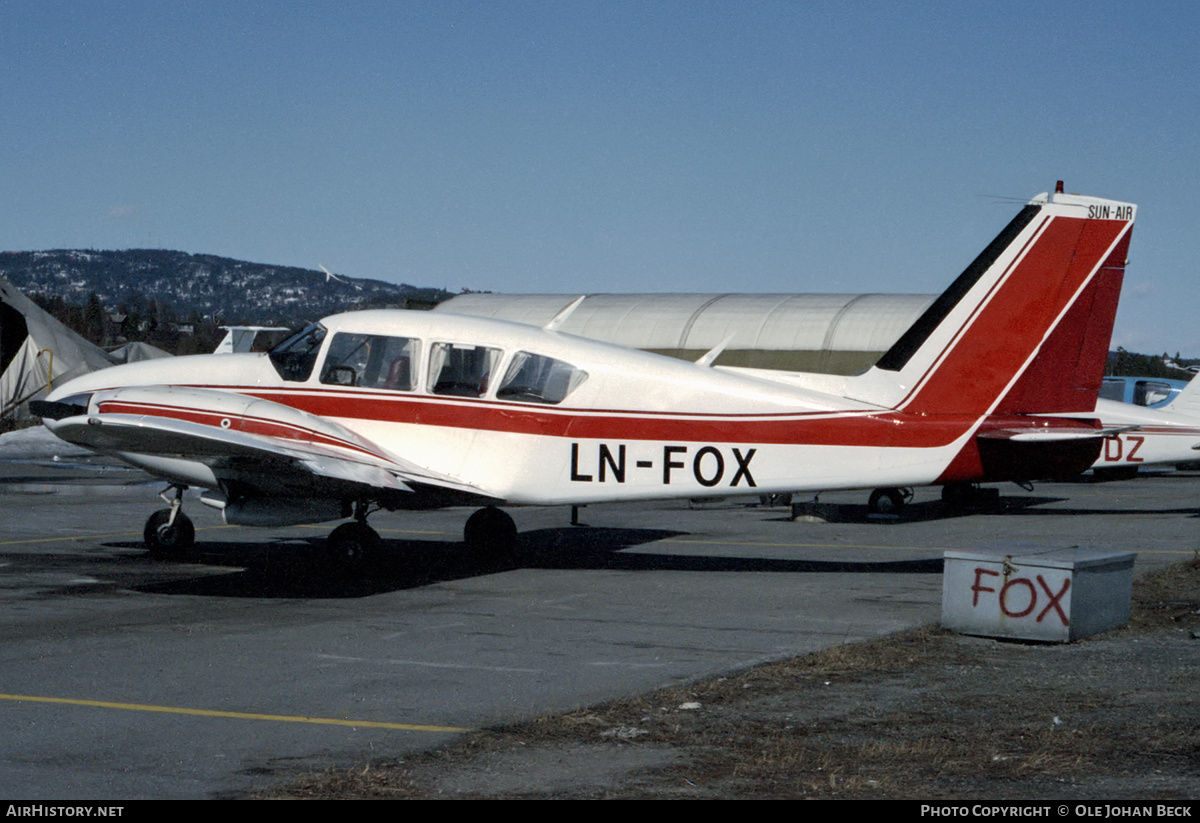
(1010, 326)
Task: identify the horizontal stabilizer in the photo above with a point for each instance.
(1054, 435)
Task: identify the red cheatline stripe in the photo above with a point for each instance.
(882, 429)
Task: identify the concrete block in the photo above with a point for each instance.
(1051, 595)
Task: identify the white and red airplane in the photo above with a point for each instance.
(410, 410)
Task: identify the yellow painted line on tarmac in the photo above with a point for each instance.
(1181, 551)
(67, 538)
(90, 536)
(810, 545)
(138, 534)
(278, 718)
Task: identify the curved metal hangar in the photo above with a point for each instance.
(827, 333)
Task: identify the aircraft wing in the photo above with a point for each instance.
(260, 446)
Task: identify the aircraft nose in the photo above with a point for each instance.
(66, 406)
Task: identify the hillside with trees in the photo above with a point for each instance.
(177, 301)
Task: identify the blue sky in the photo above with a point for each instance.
(581, 146)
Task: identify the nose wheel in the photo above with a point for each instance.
(169, 534)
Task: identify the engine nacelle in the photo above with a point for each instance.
(280, 511)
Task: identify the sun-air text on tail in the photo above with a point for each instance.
(409, 410)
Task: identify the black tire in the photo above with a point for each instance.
(353, 546)
(958, 495)
(169, 542)
(491, 536)
(886, 501)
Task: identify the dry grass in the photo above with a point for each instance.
(924, 714)
(1169, 599)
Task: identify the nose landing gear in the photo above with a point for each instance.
(169, 533)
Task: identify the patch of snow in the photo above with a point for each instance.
(36, 443)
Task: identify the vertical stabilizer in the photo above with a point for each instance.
(1187, 401)
(1025, 328)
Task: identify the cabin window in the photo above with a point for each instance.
(461, 370)
(535, 378)
(295, 357)
(1113, 390)
(1150, 392)
(372, 361)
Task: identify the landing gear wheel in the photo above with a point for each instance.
(491, 536)
(888, 501)
(957, 495)
(353, 545)
(961, 496)
(167, 540)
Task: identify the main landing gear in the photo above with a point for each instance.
(491, 537)
(955, 497)
(888, 501)
(959, 496)
(354, 545)
(169, 533)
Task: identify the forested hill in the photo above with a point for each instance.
(201, 286)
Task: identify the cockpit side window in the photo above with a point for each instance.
(373, 361)
(461, 370)
(295, 357)
(535, 378)
(1150, 392)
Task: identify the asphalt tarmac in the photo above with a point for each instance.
(124, 678)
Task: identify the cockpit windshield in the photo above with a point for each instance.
(295, 357)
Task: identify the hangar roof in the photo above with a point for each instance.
(839, 333)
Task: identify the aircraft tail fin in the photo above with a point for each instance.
(1025, 328)
(1187, 401)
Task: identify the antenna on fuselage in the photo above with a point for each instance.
(715, 352)
(562, 316)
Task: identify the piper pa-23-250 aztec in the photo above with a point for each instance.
(414, 410)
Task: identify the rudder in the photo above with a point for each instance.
(1023, 328)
